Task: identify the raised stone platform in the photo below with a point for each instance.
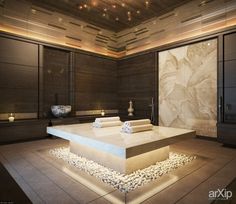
(120, 151)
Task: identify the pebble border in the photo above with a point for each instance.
(123, 182)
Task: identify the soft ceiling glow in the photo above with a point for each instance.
(51, 39)
(155, 32)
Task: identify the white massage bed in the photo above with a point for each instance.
(122, 152)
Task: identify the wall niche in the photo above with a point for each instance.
(55, 78)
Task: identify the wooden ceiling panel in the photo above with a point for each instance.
(114, 15)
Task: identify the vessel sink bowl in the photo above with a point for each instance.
(60, 111)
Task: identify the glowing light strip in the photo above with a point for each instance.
(29, 34)
(92, 186)
(108, 195)
(204, 29)
(154, 191)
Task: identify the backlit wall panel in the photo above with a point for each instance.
(188, 87)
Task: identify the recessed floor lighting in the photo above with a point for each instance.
(123, 182)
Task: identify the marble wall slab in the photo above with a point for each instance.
(188, 87)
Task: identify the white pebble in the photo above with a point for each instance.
(123, 182)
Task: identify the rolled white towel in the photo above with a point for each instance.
(137, 122)
(123, 128)
(138, 128)
(106, 119)
(106, 124)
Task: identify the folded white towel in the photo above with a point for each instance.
(138, 128)
(106, 119)
(137, 122)
(106, 124)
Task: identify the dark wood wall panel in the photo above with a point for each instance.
(136, 82)
(56, 66)
(230, 91)
(18, 101)
(230, 73)
(18, 76)
(230, 78)
(227, 89)
(95, 83)
(22, 131)
(18, 52)
(229, 47)
(34, 77)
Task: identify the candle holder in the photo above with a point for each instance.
(102, 112)
(11, 117)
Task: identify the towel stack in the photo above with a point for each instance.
(107, 122)
(136, 126)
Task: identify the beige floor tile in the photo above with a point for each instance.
(116, 197)
(32, 145)
(217, 181)
(47, 190)
(100, 201)
(188, 183)
(78, 191)
(44, 179)
(165, 181)
(63, 166)
(33, 196)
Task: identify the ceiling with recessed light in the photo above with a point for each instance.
(114, 15)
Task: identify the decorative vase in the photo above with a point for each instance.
(130, 109)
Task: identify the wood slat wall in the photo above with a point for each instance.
(26, 19)
(18, 77)
(95, 83)
(136, 82)
(34, 76)
(191, 20)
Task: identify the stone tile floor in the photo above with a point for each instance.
(45, 179)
